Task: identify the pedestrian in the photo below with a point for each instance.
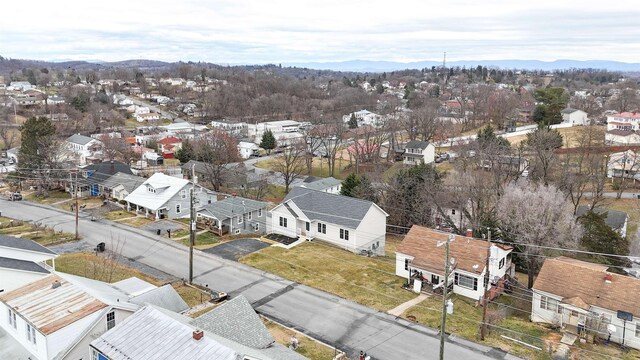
(361, 355)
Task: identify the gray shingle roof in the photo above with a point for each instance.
(237, 321)
(165, 297)
(232, 206)
(615, 219)
(23, 244)
(335, 209)
(415, 144)
(79, 139)
(568, 111)
(321, 183)
(130, 182)
(22, 265)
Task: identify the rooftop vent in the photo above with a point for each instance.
(56, 284)
(197, 335)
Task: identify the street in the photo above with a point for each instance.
(333, 320)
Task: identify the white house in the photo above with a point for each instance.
(420, 259)
(287, 130)
(329, 185)
(585, 299)
(353, 224)
(364, 117)
(84, 149)
(57, 316)
(147, 117)
(166, 196)
(621, 137)
(235, 215)
(419, 152)
(247, 149)
(625, 164)
(623, 121)
(22, 261)
(233, 128)
(574, 117)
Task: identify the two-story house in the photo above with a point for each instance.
(234, 215)
(352, 224)
(84, 149)
(419, 152)
(420, 258)
(167, 197)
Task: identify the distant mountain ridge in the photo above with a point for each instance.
(381, 66)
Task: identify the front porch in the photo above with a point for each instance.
(428, 283)
(162, 213)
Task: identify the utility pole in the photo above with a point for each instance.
(444, 294)
(192, 222)
(485, 297)
(76, 206)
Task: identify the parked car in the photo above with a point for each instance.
(16, 196)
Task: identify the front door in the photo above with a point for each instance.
(435, 279)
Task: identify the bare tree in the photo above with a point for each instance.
(291, 163)
(216, 149)
(331, 137)
(9, 136)
(623, 168)
(423, 122)
(542, 143)
(536, 216)
(113, 147)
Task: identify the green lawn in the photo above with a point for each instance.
(136, 222)
(368, 281)
(307, 346)
(319, 168)
(119, 214)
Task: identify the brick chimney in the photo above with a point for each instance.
(469, 232)
(197, 335)
(56, 284)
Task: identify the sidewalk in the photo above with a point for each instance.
(398, 310)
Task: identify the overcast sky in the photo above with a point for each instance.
(281, 31)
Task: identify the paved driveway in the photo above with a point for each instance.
(234, 250)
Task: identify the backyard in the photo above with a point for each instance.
(41, 234)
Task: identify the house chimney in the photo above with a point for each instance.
(608, 278)
(469, 232)
(197, 335)
(56, 284)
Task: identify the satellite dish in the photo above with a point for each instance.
(611, 328)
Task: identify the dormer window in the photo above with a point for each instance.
(151, 190)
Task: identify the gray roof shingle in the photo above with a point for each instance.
(331, 208)
(22, 265)
(79, 139)
(231, 206)
(23, 244)
(415, 144)
(237, 321)
(321, 183)
(615, 219)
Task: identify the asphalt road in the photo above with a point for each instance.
(333, 320)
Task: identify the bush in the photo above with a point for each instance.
(122, 202)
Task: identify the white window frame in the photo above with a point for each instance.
(240, 219)
(111, 323)
(464, 277)
(12, 319)
(178, 208)
(549, 303)
(283, 222)
(344, 234)
(259, 212)
(31, 334)
(637, 329)
(501, 263)
(322, 228)
(250, 215)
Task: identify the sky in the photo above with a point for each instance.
(286, 31)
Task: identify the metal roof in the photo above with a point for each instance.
(51, 308)
(165, 297)
(134, 286)
(153, 201)
(331, 208)
(152, 334)
(22, 265)
(23, 244)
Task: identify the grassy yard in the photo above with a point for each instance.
(204, 240)
(319, 168)
(40, 234)
(104, 268)
(136, 222)
(368, 281)
(119, 214)
(307, 346)
(51, 198)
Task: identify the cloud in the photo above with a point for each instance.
(244, 31)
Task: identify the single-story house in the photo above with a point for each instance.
(617, 220)
(92, 177)
(587, 300)
(420, 258)
(352, 224)
(329, 185)
(166, 196)
(235, 215)
(119, 185)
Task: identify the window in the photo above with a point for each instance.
(250, 215)
(240, 219)
(283, 222)
(257, 226)
(435, 279)
(111, 320)
(31, 334)
(501, 263)
(453, 211)
(467, 282)
(344, 234)
(183, 194)
(178, 209)
(322, 228)
(307, 226)
(637, 330)
(237, 231)
(151, 190)
(12, 319)
(548, 303)
(94, 354)
(259, 212)
(406, 264)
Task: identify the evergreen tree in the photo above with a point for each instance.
(353, 122)
(349, 184)
(186, 152)
(268, 141)
(487, 137)
(365, 190)
(600, 237)
(37, 136)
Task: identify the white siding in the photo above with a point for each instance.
(400, 260)
(470, 293)
(39, 350)
(281, 211)
(543, 315)
(371, 231)
(81, 349)
(25, 255)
